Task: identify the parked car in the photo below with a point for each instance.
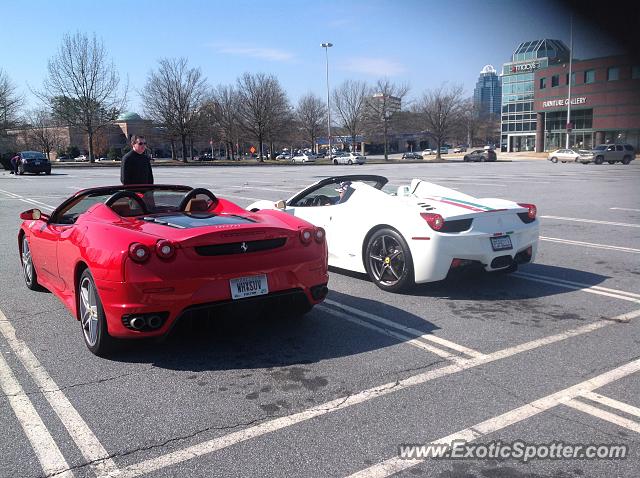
(284, 156)
(33, 162)
(481, 155)
(350, 158)
(102, 158)
(611, 153)
(64, 158)
(428, 151)
(563, 155)
(459, 149)
(410, 155)
(124, 242)
(444, 150)
(382, 233)
(303, 158)
(82, 157)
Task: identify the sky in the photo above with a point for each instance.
(422, 43)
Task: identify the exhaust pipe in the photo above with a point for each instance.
(137, 323)
(154, 322)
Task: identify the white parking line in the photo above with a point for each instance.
(604, 415)
(42, 442)
(591, 221)
(566, 396)
(592, 289)
(87, 442)
(624, 209)
(413, 341)
(219, 443)
(590, 244)
(27, 200)
(409, 330)
(610, 402)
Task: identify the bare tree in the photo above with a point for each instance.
(224, 104)
(83, 86)
(43, 131)
(383, 108)
(263, 106)
(173, 96)
(441, 109)
(10, 101)
(350, 101)
(312, 116)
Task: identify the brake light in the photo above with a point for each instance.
(139, 252)
(165, 249)
(435, 221)
(306, 235)
(319, 235)
(532, 210)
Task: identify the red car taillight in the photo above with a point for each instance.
(139, 252)
(319, 235)
(306, 235)
(165, 249)
(532, 210)
(435, 221)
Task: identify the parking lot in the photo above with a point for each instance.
(547, 354)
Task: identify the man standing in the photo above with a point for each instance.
(136, 166)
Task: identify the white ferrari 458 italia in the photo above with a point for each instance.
(417, 233)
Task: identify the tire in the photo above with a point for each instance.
(611, 162)
(388, 261)
(466, 159)
(20, 170)
(626, 160)
(577, 159)
(349, 162)
(482, 160)
(554, 160)
(599, 160)
(48, 173)
(335, 161)
(28, 269)
(92, 318)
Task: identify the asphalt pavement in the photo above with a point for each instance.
(549, 354)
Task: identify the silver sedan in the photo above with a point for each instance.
(563, 155)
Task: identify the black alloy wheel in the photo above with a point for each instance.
(388, 261)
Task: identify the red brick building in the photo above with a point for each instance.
(605, 103)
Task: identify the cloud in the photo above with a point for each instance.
(374, 66)
(270, 54)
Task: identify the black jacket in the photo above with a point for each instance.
(136, 169)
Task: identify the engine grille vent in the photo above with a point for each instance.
(245, 247)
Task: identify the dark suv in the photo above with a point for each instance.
(611, 153)
(33, 162)
(481, 155)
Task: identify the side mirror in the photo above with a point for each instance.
(31, 215)
(280, 204)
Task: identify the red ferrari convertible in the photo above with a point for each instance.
(129, 261)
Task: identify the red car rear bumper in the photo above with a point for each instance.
(149, 293)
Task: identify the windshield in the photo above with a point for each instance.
(33, 155)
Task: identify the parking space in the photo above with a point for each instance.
(548, 353)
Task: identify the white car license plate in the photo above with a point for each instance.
(249, 286)
(501, 243)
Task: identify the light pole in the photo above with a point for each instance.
(569, 85)
(326, 47)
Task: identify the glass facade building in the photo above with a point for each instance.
(487, 95)
(518, 116)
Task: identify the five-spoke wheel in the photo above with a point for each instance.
(30, 276)
(388, 260)
(92, 317)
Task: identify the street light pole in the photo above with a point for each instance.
(326, 47)
(569, 85)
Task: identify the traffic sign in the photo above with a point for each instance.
(252, 150)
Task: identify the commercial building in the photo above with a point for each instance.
(518, 116)
(604, 104)
(487, 95)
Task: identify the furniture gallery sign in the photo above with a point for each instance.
(564, 102)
